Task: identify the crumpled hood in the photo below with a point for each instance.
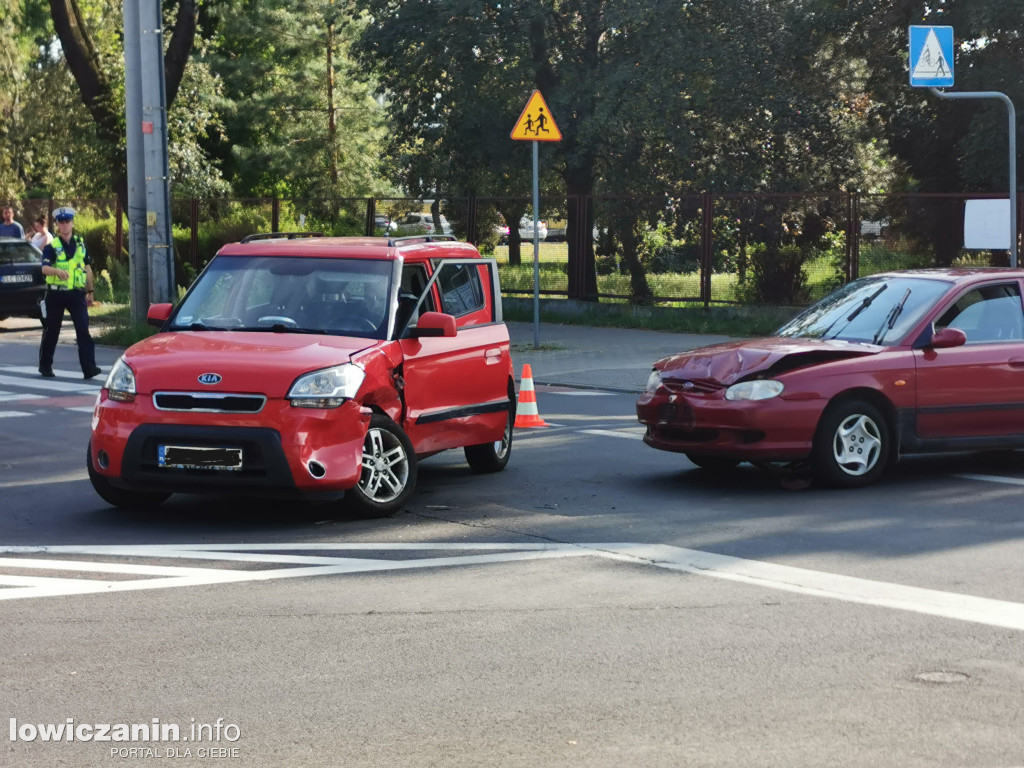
(734, 361)
(266, 363)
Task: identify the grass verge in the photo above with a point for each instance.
(742, 322)
(112, 326)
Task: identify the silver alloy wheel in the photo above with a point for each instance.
(857, 444)
(385, 466)
(501, 447)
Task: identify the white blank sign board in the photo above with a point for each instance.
(987, 224)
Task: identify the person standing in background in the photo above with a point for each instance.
(8, 226)
(40, 236)
(69, 287)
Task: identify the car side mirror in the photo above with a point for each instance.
(158, 314)
(434, 324)
(948, 337)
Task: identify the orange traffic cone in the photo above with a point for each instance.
(526, 412)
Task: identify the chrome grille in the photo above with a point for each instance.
(211, 402)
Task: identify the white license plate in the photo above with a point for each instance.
(198, 457)
(15, 278)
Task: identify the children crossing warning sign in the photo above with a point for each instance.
(536, 123)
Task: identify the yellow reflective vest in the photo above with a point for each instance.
(74, 264)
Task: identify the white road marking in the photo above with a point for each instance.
(12, 414)
(6, 397)
(33, 371)
(613, 433)
(51, 385)
(65, 477)
(992, 479)
(580, 393)
(950, 605)
(18, 586)
(81, 408)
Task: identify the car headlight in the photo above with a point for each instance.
(653, 382)
(120, 384)
(327, 388)
(761, 389)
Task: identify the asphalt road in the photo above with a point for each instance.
(597, 604)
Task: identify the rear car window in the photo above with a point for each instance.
(18, 253)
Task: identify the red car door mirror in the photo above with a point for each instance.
(948, 337)
(434, 324)
(158, 314)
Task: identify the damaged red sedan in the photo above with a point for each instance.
(896, 363)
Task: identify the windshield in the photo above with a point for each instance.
(345, 297)
(873, 310)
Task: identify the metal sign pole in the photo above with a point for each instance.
(536, 249)
(1013, 153)
(536, 124)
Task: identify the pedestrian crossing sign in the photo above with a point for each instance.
(536, 122)
(931, 57)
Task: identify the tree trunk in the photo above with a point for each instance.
(95, 87)
(640, 290)
(512, 213)
(580, 234)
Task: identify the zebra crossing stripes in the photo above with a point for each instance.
(24, 393)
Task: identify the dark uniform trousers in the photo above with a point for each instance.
(57, 301)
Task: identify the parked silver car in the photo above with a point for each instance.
(422, 224)
(526, 229)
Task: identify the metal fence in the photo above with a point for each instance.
(786, 249)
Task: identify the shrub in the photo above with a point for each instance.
(104, 286)
(776, 276)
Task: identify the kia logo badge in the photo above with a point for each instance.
(209, 378)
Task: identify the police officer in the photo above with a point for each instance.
(69, 286)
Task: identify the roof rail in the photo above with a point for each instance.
(420, 239)
(280, 236)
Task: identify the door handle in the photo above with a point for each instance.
(492, 356)
(1016, 362)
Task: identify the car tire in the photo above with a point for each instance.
(713, 463)
(852, 445)
(493, 456)
(389, 470)
(121, 497)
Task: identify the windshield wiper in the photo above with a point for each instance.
(890, 319)
(282, 328)
(860, 308)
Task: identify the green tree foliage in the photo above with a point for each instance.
(299, 119)
(63, 95)
(90, 34)
(652, 99)
(943, 145)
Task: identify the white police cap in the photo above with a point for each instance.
(64, 213)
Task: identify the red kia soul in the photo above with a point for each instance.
(316, 367)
